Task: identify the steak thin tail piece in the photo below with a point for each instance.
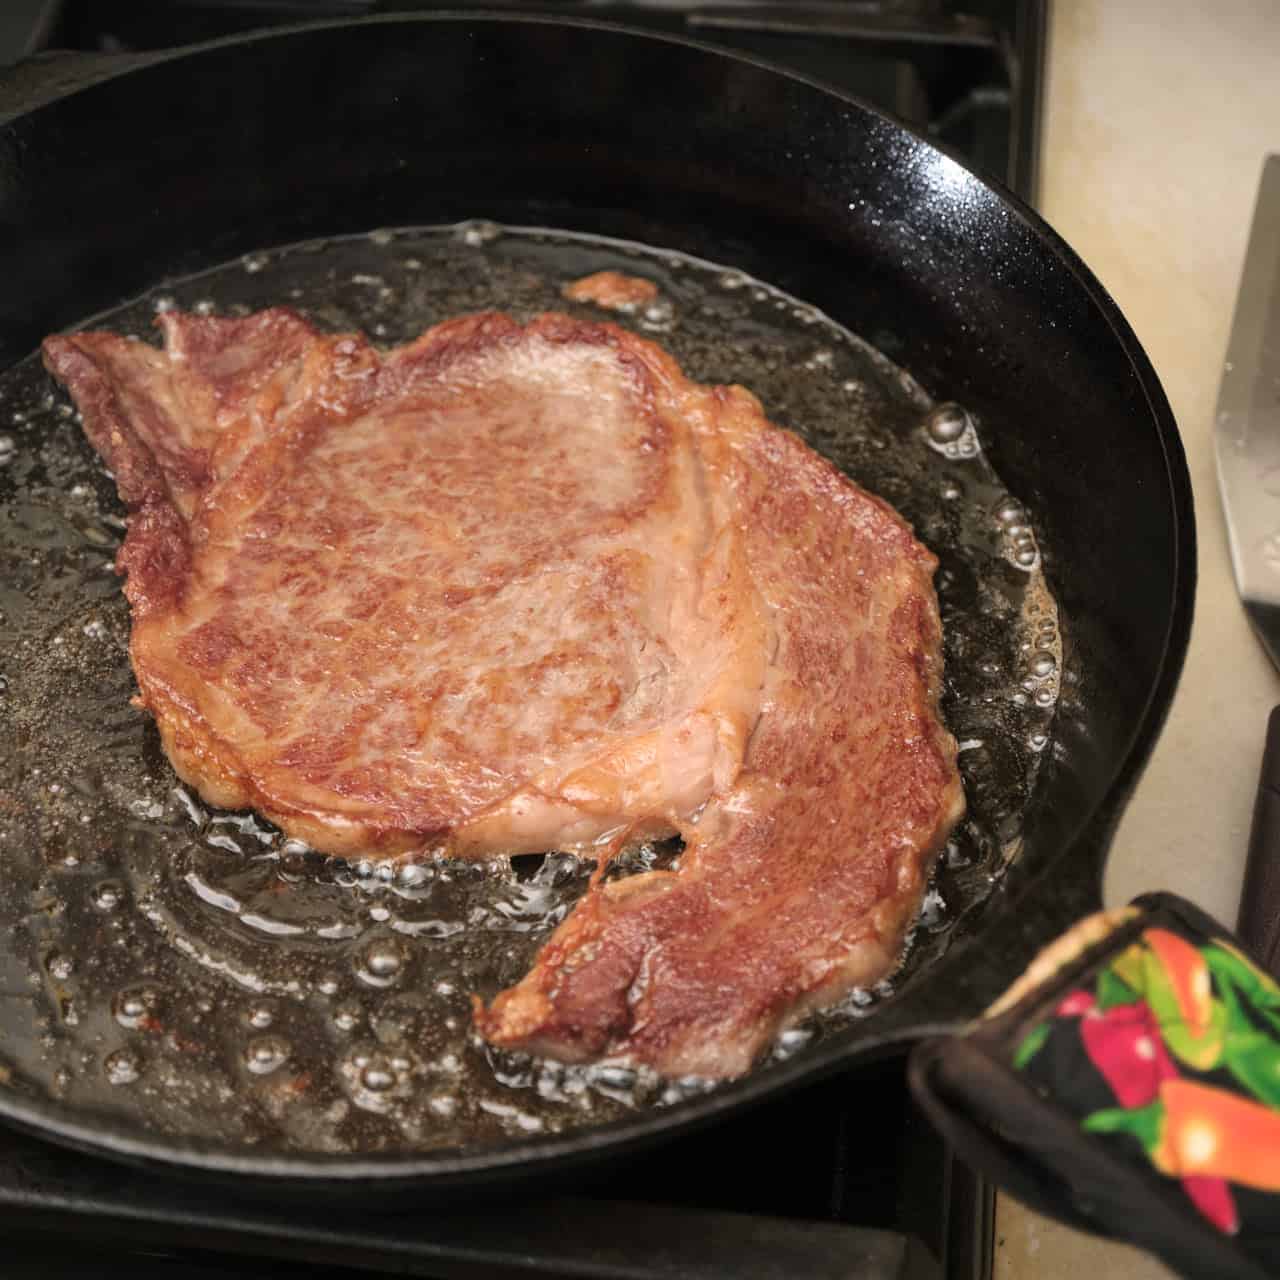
(800, 881)
(519, 587)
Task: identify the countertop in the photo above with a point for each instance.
(1158, 114)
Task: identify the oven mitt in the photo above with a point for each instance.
(1129, 1085)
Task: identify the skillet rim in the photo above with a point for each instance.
(468, 1167)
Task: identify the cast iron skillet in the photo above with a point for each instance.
(198, 156)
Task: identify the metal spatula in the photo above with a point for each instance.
(1247, 440)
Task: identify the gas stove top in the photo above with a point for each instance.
(968, 74)
(844, 1178)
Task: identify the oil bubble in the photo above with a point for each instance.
(108, 895)
(381, 964)
(60, 966)
(347, 1016)
(260, 1016)
(122, 1066)
(1009, 513)
(378, 1077)
(412, 880)
(135, 1007)
(374, 1080)
(657, 317)
(947, 423)
(791, 1042)
(1043, 664)
(265, 1054)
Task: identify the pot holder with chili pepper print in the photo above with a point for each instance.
(1129, 1085)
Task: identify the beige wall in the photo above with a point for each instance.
(1157, 116)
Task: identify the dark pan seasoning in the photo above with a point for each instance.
(198, 974)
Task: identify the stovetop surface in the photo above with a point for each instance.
(967, 73)
(844, 1178)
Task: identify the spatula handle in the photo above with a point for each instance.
(1259, 922)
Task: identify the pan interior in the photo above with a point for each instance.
(190, 971)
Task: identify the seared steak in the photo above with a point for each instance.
(512, 588)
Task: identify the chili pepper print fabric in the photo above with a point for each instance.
(1172, 1052)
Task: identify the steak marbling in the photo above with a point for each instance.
(512, 588)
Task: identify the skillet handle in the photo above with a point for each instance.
(1259, 919)
(1069, 1092)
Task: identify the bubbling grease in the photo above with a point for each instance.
(199, 974)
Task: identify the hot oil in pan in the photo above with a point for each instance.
(191, 970)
